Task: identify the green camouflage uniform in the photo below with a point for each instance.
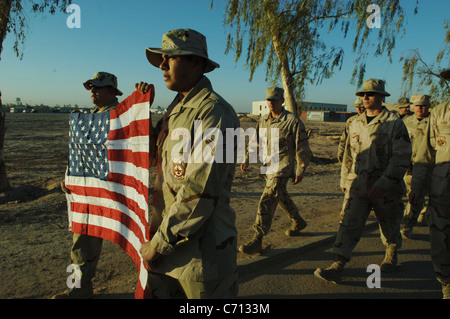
(432, 168)
(193, 228)
(416, 129)
(376, 154)
(294, 156)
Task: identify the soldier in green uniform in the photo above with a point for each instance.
(432, 168)
(359, 105)
(86, 249)
(192, 251)
(404, 107)
(416, 125)
(293, 156)
(376, 157)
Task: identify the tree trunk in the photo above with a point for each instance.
(286, 78)
(289, 98)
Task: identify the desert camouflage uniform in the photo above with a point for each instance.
(195, 226)
(416, 129)
(293, 157)
(432, 167)
(377, 154)
(106, 108)
(343, 139)
(341, 148)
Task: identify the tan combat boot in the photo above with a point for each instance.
(390, 259)
(333, 273)
(253, 246)
(298, 224)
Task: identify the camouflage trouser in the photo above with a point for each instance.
(388, 210)
(440, 238)
(274, 194)
(86, 253)
(412, 211)
(165, 287)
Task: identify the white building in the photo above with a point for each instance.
(261, 108)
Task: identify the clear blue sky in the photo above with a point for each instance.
(114, 34)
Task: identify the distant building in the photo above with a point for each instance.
(313, 106)
(18, 109)
(314, 111)
(260, 108)
(327, 116)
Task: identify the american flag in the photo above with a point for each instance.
(108, 176)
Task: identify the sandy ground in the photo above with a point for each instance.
(34, 237)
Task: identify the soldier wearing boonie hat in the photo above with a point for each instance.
(294, 155)
(104, 89)
(359, 105)
(432, 169)
(416, 124)
(376, 157)
(192, 251)
(182, 42)
(403, 106)
(373, 86)
(274, 93)
(86, 250)
(102, 79)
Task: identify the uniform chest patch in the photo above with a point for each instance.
(441, 141)
(178, 171)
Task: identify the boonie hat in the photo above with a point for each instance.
(403, 102)
(181, 42)
(102, 79)
(421, 99)
(445, 74)
(358, 102)
(373, 86)
(274, 94)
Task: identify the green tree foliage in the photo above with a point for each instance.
(13, 18)
(285, 35)
(427, 72)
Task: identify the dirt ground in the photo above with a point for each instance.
(34, 238)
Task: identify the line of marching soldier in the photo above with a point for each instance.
(381, 153)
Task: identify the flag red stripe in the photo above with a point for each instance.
(104, 193)
(139, 159)
(91, 209)
(130, 181)
(135, 98)
(135, 128)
